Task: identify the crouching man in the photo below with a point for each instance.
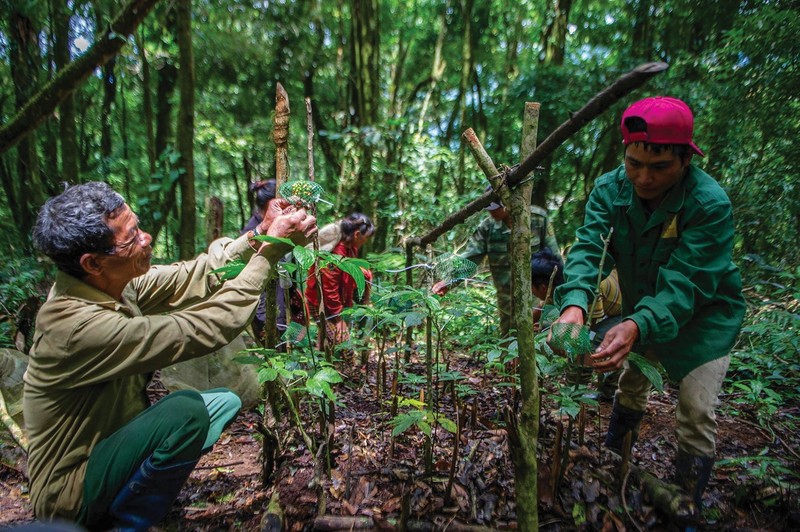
(99, 454)
(682, 302)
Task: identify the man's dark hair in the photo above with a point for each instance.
(356, 222)
(76, 222)
(262, 191)
(637, 124)
(543, 263)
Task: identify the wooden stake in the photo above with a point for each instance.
(310, 131)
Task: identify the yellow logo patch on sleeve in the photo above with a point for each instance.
(670, 227)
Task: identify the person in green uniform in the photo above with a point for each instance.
(682, 302)
(99, 454)
(491, 239)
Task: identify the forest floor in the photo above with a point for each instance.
(373, 478)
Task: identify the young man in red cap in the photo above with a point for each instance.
(682, 295)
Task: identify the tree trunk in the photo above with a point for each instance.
(44, 102)
(161, 200)
(185, 134)
(554, 37)
(28, 191)
(67, 131)
(466, 75)
(527, 426)
(364, 90)
(147, 105)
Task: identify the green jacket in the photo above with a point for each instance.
(678, 281)
(93, 356)
(491, 239)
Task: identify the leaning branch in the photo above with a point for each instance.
(601, 101)
(45, 101)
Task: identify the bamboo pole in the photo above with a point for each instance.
(593, 108)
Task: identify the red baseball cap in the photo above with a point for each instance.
(667, 121)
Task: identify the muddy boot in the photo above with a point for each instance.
(623, 420)
(692, 474)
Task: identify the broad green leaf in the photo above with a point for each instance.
(304, 257)
(229, 271)
(328, 375)
(248, 359)
(354, 271)
(267, 375)
(447, 425)
(648, 370)
(402, 423)
(412, 319)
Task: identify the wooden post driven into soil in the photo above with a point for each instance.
(593, 108)
(280, 136)
(523, 428)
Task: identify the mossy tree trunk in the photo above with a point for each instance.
(527, 421)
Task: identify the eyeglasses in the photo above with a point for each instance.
(139, 238)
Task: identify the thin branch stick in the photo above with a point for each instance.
(606, 242)
(310, 130)
(597, 105)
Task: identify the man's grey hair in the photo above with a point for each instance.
(76, 222)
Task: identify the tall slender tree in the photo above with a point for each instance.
(68, 133)
(185, 133)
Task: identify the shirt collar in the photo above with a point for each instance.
(73, 288)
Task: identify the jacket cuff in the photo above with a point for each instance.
(641, 320)
(575, 298)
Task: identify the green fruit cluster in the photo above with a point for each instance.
(302, 189)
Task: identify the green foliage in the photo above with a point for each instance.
(764, 373)
(649, 370)
(23, 285)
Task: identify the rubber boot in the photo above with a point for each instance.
(148, 495)
(623, 420)
(692, 473)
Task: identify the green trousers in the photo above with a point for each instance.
(178, 428)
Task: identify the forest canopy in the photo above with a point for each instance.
(393, 85)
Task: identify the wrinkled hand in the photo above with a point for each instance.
(615, 347)
(295, 224)
(275, 208)
(571, 314)
(440, 288)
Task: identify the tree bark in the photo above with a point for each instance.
(27, 192)
(185, 133)
(147, 104)
(109, 95)
(44, 102)
(364, 91)
(527, 426)
(68, 133)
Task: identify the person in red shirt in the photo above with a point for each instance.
(338, 287)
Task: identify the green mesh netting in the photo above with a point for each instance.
(305, 193)
(550, 314)
(453, 268)
(294, 333)
(571, 339)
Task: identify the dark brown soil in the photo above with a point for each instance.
(372, 477)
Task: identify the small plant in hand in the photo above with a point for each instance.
(302, 194)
